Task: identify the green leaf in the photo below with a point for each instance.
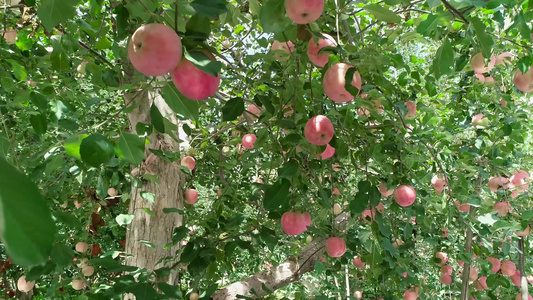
(123, 219)
(203, 62)
(185, 108)
(289, 169)
(444, 60)
(361, 199)
(179, 233)
(171, 291)
(232, 109)
(53, 12)
(210, 8)
(272, 16)
(428, 26)
(485, 40)
(26, 226)
(67, 219)
(72, 145)
(131, 147)
(62, 255)
(276, 194)
(18, 70)
(142, 291)
(488, 219)
(96, 149)
(173, 210)
(198, 28)
(382, 13)
(39, 123)
(150, 197)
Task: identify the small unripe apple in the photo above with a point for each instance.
(189, 162)
(10, 36)
(337, 209)
(334, 81)
(82, 247)
(478, 120)
(77, 284)
(405, 195)
(191, 196)
(87, 271)
(112, 192)
(308, 239)
(319, 130)
(335, 247)
(194, 296)
(155, 49)
(23, 285)
(443, 257)
(226, 43)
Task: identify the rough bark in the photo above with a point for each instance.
(282, 275)
(523, 280)
(168, 192)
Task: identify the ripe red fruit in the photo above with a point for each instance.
(411, 109)
(443, 257)
(313, 48)
(446, 232)
(10, 36)
(405, 195)
(248, 140)
(481, 284)
(319, 130)
(304, 11)
(189, 162)
(82, 247)
(78, 284)
(524, 82)
(446, 279)
(155, 49)
(334, 81)
(357, 262)
(191, 196)
(508, 268)
(335, 247)
(496, 264)
(23, 285)
(294, 223)
(328, 153)
(515, 278)
(410, 294)
(96, 250)
(383, 190)
(194, 83)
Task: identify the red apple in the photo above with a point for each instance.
(155, 49)
(189, 162)
(10, 36)
(357, 262)
(191, 196)
(446, 279)
(294, 223)
(313, 48)
(334, 80)
(524, 82)
(523, 233)
(405, 195)
(446, 232)
(380, 208)
(481, 284)
(502, 208)
(496, 183)
(282, 50)
(443, 258)
(194, 296)
(438, 184)
(319, 130)
(473, 274)
(304, 11)
(410, 294)
(82, 247)
(508, 268)
(496, 264)
(78, 284)
(478, 63)
(23, 285)
(383, 190)
(368, 215)
(335, 247)
(478, 121)
(194, 83)
(87, 271)
(515, 278)
(411, 109)
(328, 153)
(248, 141)
(446, 270)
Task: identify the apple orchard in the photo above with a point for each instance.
(273, 149)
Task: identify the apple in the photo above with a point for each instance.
(358, 295)
(411, 109)
(78, 284)
(357, 262)
(479, 121)
(472, 274)
(194, 83)
(502, 208)
(519, 297)
(446, 270)
(496, 264)
(405, 195)
(496, 183)
(481, 284)
(443, 257)
(478, 63)
(337, 209)
(410, 294)
(334, 81)
(189, 162)
(380, 208)
(23, 285)
(523, 233)
(194, 296)
(368, 215)
(464, 207)
(87, 271)
(219, 192)
(319, 130)
(248, 140)
(191, 196)
(438, 184)
(335, 247)
(515, 278)
(313, 48)
(446, 232)
(253, 111)
(383, 190)
(519, 181)
(335, 191)
(10, 36)
(82, 247)
(397, 243)
(328, 153)
(304, 11)
(155, 49)
(78, 204)
(524, 82)
(308, 239)
(112, 192)
(446, 279)
(294, 223)
(282, 50)
(508, 268)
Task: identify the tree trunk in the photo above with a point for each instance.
(168, 193)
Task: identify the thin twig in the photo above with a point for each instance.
(454, 11)
(95, 53)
